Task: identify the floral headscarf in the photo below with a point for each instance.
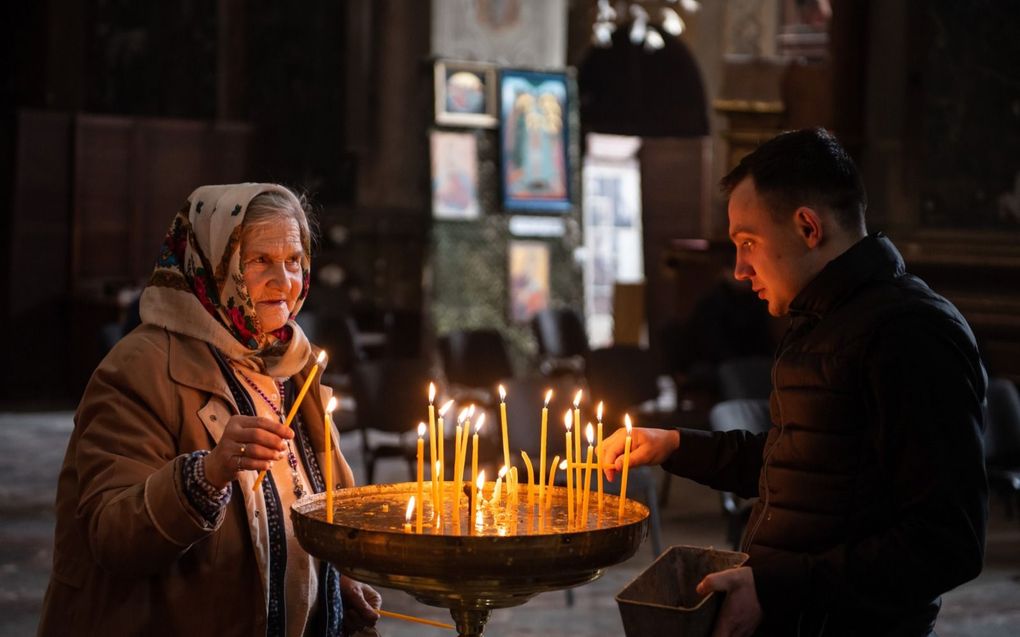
(197, 287)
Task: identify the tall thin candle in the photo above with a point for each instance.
(626, 465)
(577, 445)
(598, 450)
(568, 422)
(589, 433)
(437, 505)
(502, 422)
(433, 454)
(541, 449)
(328, 426)
(474, 461)
(294, 408)
(458, 433)
(421, 473)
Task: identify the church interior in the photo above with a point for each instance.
(473, 235)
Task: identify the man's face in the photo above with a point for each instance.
(772, 255)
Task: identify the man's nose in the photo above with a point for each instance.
(742, 271)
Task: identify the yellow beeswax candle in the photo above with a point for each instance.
(626, 465)
(541, 448)
(531, 478)
(294, 408)
(476, 499)
(474, 461)
(407, 516)
(586, 485)
(552, 480)
(421, 473)
(598, 451)
(568, 423)
(433, 453)
(502, 422)
(328, 426)
(577, 445)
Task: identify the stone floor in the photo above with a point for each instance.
(33, 445)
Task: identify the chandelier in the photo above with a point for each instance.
(643, 28)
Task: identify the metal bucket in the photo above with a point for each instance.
(662, 600)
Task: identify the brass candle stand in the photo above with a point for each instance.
(501, 560)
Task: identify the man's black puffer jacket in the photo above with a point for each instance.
(872, 497)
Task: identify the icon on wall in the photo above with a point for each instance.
(529, 279)
(533, 131)
(454, 175)
(465, 94)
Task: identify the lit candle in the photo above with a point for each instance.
(589, 433)
(626, 464)
(329, 458)
(294, 408)
(556, 464)
(474, 458)
(577, 446)
(458, 433)
(541, 449)
(441, 445)
(407, 516)
(476, 498)
(433, 454)
(568, 422)
(421, 473)
(598, 451)
(502, 421)
(497, 492)
(464, 417)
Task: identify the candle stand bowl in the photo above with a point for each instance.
(469, 574)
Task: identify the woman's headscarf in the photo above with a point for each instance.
(197, 287)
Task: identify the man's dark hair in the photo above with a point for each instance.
(807, 167)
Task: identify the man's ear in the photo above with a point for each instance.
(809, 226)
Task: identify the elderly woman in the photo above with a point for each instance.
(159, 530)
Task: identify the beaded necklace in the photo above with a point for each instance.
(299, 490)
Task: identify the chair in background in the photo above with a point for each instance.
(1002, 443)
(388, 399)
(562, 342)
(624, 377)
(475, 362)
(750, 415)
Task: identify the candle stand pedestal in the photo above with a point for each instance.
(502, 562)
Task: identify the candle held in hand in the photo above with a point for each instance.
(626, 465)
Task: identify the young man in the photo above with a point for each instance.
(872, 497)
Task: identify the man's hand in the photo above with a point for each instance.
(361, 604)
(741, 613)
(647, 446)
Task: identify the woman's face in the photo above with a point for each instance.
(271, 256)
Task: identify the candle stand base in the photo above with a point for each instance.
(469, 571)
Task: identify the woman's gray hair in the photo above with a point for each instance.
(272, 206)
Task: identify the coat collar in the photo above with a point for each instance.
(191, 363)
(873, 257)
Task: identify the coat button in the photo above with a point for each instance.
(257, 514)
(769, 517)
(213, 418)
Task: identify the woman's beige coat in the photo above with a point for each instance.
(131, 556)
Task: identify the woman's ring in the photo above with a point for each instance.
(243, 447)
(239, 463)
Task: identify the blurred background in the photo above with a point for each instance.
(515, 191)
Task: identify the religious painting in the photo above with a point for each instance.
(533, 130)
(465, 94)
(508, 32)
(454, 175)
(529, 279)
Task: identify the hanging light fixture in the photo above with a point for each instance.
(643, 32)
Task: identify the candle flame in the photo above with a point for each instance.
(548, 397)
(563, 464)
(445, 408)
(568, 420)
(479, 422)
(589, 432)
(410, 510)
(331, 407)
(471, 410)
(480, 482)
(321, 357)
(577, 398)
(598, 411)
(502, 471)
(463, 415)
(627, 424)
(432, 392)
(502, 394)
(421, 429)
